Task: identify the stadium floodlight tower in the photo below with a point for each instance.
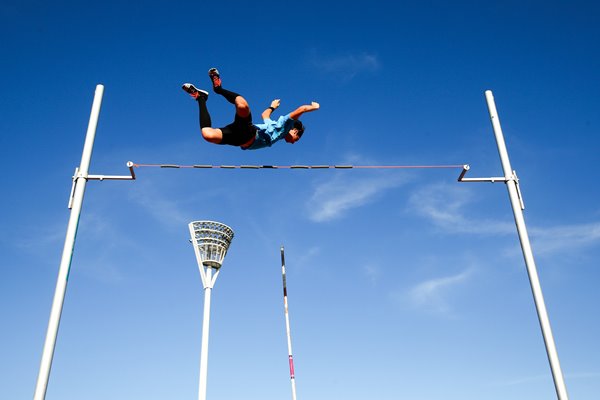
(211, 241)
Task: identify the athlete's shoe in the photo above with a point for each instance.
(215, 77)
(195, 93)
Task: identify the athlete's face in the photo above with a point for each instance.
(292, 136)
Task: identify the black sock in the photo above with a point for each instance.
(205, 121)
(229, 96)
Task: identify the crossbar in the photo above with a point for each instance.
(464, 167)
(206, 166)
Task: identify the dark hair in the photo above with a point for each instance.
(299, 126)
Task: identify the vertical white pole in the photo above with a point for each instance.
(287, 327)
(208, 284)
(65, 263)
(534, 281)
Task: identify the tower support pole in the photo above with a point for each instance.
(208, 285)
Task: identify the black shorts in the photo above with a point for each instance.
(239, 132)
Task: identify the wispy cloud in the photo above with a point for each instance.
(345, 66)
(372, 272)
(102, 240)
(51, 234)
(164, 210)
(558, 238)
(333, 198)
(548, 377)
(432, 294)
(308, 256)
(444, 206)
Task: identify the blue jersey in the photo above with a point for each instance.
(271, 131)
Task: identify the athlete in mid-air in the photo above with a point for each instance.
(242, 132)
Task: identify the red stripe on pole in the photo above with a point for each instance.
(291, 367)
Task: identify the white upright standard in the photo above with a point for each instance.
(516, 200)
(80, 179)
(211, 241)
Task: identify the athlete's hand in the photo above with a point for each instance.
(275, 103)
(315, 105)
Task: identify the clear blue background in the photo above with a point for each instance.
(402, 284)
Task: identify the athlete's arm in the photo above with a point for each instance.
(304, 109)
(267, 113)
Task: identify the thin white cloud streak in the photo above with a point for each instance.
(548, 377)
(165, 211)
(431, 294)
(346, 66)
(372, 272)
(265, 236)
(308, 256)
(559, 238)
(333, 198)
(101, 239)
(46, 235)
(444, 206)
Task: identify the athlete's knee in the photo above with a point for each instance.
(211, 135)
(241, 105)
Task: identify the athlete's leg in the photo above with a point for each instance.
(241, 105)
(209, 133)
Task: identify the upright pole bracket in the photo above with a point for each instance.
(88, 177)
(72, 195)
(77, 175)
(513, 178)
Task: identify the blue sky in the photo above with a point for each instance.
(402, 284)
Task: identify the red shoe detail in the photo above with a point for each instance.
(213, 73)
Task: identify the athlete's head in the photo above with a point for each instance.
(295, 133)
